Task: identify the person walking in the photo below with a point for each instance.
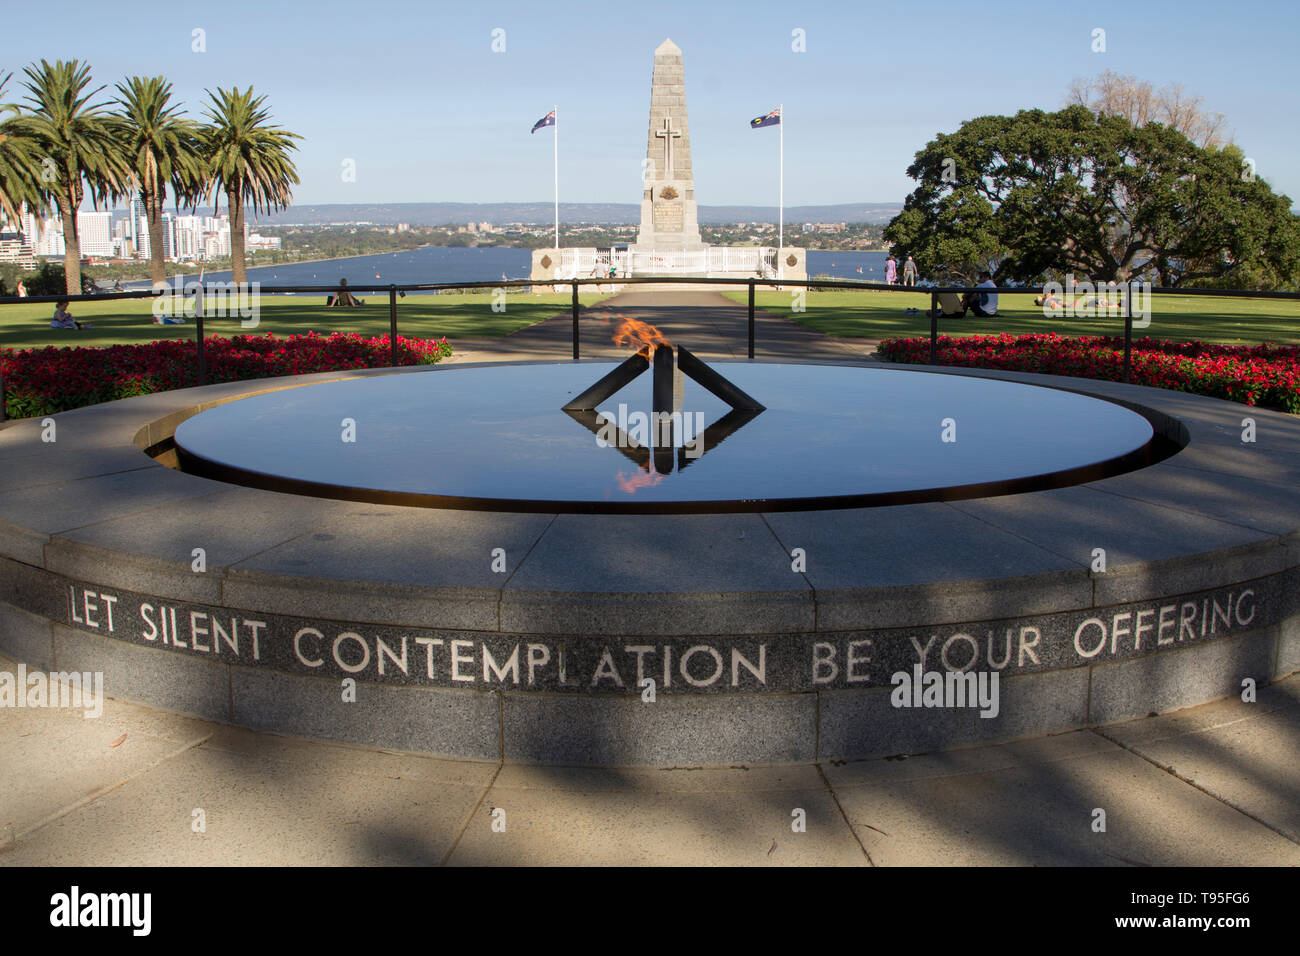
(909, 271)
(891, 270)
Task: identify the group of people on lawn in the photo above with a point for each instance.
(983, 304)
(63, 318)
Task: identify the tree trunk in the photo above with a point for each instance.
(71, 246)
(153, 212)
(235, 201)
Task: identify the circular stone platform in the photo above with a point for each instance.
(497, 438)
(769, 637)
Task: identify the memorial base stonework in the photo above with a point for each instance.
(722, 654)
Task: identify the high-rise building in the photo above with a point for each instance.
(95, 231)
(189, 237)
(135, 211)
(31, 227)
(51, 241)
(168, 236)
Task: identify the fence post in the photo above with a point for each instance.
(198, 334)
(1128, 333)
(3, 417)
(392, 325)
(751, 318)
(575, 318)
(934, 328)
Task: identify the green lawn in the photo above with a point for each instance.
(879, 315)
(418, 316)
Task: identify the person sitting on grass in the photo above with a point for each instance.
(343, 298)
(983, 304)
(63, 318)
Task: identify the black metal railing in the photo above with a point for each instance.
(203, 291)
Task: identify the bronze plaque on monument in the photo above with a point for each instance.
(667, 217)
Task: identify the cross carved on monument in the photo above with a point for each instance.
(668, 134)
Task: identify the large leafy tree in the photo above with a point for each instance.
(19, 169)
(1041, 195)
(77, 146)
(248, 160)
(163, 150)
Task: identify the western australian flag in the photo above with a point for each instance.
(547, 120)
(771, 119)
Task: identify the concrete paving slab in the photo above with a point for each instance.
(724, 552)
(1245, 755)
(1198, 493)
(680, 562)
(63, 463)
(154, 554)
(80, 756)
(736, 817)
(268, 802)
(425, 547)
(1072, 522)
(65, 505)
(1041, 813)
(897, 546)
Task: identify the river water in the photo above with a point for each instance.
(434, 264)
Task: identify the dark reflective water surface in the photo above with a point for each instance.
(500, 433)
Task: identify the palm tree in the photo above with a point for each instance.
(162, 149)
(78, 141)
(19, 170)
(248, 160)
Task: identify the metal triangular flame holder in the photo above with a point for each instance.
(660, 459)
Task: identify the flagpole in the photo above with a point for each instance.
(557, 177)
(780, 240)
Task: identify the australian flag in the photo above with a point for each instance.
(547, 120)
(771, 119)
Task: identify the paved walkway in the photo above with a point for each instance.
(1208, 786)
(707, 323)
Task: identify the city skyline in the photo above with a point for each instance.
(431, 113)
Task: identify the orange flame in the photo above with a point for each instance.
(639, 335)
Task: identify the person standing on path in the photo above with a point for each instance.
(909, 271)
(891, 270)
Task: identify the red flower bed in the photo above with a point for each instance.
(52, 379)
(1264, 375)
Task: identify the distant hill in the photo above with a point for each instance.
(443, 213)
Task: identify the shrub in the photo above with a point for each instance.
(53, 379)
(1266, 375)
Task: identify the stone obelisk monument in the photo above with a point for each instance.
(668, 242)
(668, 216)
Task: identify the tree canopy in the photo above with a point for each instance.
(1040, 195)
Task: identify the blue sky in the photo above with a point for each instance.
(414, 94)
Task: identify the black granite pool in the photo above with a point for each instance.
(496, 437)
